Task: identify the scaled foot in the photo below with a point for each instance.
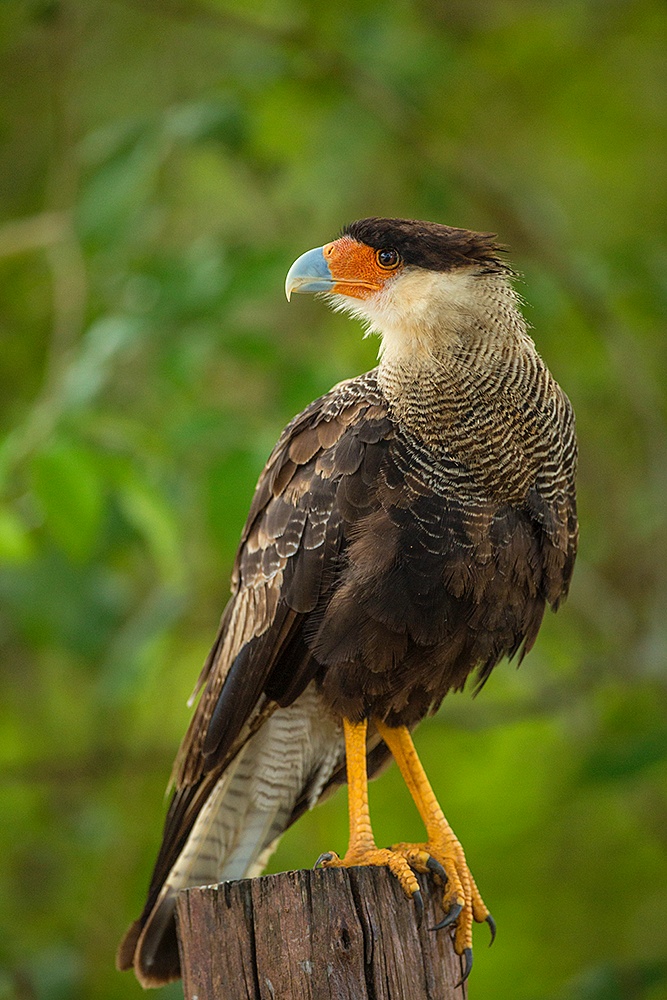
(395, 861)
(461, 899)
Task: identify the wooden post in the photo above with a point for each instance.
(330, 934)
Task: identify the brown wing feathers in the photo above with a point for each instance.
(285, 565)
(342, 478)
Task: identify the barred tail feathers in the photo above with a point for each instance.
(293, 755)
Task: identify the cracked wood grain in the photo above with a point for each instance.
(331, 934)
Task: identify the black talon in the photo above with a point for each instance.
(467, 959)
(434, 866)
(450, 918)
(419, 906)
(492, 924)
(327, 856)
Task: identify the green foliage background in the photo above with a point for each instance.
(161, 165)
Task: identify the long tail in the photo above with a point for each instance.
(288, 761)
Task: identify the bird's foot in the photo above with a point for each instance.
(394, 860)
(461, 900)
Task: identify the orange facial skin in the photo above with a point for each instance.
(355, 268)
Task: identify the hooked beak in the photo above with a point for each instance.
(309, 273)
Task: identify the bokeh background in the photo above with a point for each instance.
(162, 163)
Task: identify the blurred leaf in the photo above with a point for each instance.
(105, 340)
(69, 493)
(189, 285)
(16, 545)
(620, 982)
(632, 736)
(221, 120)
(117, 189)
(154, 520)
(617, 758)
(231, 485)
(55, 603)
(123, 663)
(57, 974)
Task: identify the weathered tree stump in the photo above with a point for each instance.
(331, 934)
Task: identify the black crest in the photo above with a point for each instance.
(429, 244)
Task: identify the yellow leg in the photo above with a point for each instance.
(362, 849)
(462, 899)
(361, 832)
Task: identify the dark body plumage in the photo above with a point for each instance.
(408, 530)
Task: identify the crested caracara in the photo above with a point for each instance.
(408, 530)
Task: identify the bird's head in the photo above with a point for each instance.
(418, 284)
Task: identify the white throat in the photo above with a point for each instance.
(424, 317)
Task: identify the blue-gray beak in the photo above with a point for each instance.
(309, 273)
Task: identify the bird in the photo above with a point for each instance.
(407, 533)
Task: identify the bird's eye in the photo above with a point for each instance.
(388, 258)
